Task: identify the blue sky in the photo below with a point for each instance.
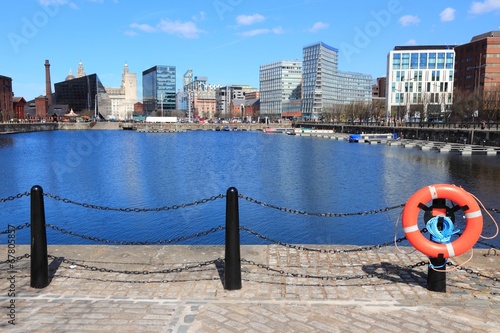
(226, 40)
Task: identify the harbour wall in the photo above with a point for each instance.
(471, 135)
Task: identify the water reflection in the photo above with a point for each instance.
(128, 169)
(6, 141)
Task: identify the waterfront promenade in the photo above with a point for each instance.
(284, 289)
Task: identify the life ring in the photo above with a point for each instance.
(473, 220)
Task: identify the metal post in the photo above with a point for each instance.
(436, 279)
(39, 259)
(232, 268)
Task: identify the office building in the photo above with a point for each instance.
(324, 87)
(477, 63)
(227, 97)
(159, 90)
(280, 84)
(84, 95)
(420, 82)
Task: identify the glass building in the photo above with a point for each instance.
(420, 82)
(324, 86)
(85, 95)
(280, 84)
(319, 87)
(159, 89)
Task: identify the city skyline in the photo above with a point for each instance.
(226, 41)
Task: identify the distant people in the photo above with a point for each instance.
(483, 125)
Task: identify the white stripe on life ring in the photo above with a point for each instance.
(412, 228)
(433, 191)
(451, 250)
(472, 215)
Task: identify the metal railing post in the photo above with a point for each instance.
(39, 260)
(232, 268)
(436, 279)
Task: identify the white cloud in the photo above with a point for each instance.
(177, 28)
(180, 29)
(407, 20)
(47, 3)
(200, 17)
(131, 33)
(318, 26)
(143, 27)
(448, 14)
(264, 31)
(249, 19)
(486, 6)
(411, 42)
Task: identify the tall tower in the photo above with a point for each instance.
(81, 71)
(48, 84)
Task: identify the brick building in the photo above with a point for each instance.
(477, 63)
(6, 99)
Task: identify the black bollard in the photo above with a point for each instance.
(39, 259)
(436, 279)
(232, 268)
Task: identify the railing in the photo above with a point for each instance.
(487, 126)
(39, 273)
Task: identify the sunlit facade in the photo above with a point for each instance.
(324, 86)
(159, 89)
(280, 84)
(420, 82)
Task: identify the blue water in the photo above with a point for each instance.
(126, 169)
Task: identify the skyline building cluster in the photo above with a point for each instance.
(421, 84)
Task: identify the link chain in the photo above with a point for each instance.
(471, 271)
(15, 259)
(322, 277)
(135, 210)
(160, 242)
(19, 227)
(14, 197)
(109, 270)
(330, 251)
(301, 212)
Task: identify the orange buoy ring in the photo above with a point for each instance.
(473, 220)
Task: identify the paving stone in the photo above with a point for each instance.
(397, 301)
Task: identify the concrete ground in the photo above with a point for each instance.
(181, 289)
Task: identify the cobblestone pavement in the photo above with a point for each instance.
(180, 289)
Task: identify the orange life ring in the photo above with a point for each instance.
(473, 220)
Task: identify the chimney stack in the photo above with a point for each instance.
(48, 84)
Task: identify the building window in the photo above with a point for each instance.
(414, 61)
(449, 60)
(440, 61)
(396, 61)
(405, 62)
(423, 61)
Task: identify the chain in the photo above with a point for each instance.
(15, 259)
(135, 210)
(322, 277)
(19, 227)
(308, 276)
(471, 271)
(160, 242)
(14, 197)
(136, 281)
(301, 212)
(330, 251)
(108, 270)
